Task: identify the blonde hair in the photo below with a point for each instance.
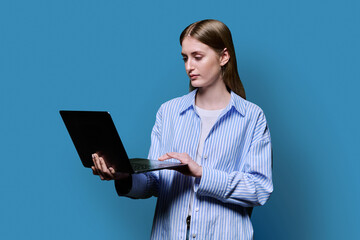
(217, 35)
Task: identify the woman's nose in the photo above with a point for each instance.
(189, 66)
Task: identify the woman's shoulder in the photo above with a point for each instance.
(247, 107)
(179, 103)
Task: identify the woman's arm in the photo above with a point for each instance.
(248, 187)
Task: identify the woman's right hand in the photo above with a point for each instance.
(103, 171)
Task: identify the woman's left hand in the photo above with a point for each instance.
(193, 169)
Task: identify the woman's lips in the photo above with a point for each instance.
(193, 76)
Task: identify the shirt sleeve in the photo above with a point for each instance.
(252, 185)
(145, 185)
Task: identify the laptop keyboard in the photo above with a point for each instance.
(140, 166)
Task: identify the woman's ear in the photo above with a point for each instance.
(225, 57)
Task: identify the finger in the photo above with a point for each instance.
(94, 158)
(164, 157)
(103, 168)
(97, 166)
(106, 173)
(176, 155)
(94, 162)
(179, 156)
(94, 170)
(172, 154)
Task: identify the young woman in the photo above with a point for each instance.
(223, 138)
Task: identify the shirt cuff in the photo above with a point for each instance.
(138, 188)
(213, 183)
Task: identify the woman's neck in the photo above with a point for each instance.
(213, 98)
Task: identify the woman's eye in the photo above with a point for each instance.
(198, 58)
(184, 59)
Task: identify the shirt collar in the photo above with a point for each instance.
(236, 102)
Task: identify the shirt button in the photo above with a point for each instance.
(196, 209)
(194, 235)
(205, 156)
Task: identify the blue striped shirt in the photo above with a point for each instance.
(236, 163)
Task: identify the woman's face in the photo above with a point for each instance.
(202, 63)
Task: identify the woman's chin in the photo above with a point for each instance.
(196, 84)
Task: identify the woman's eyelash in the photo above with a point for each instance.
(196, 57)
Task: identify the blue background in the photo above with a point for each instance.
(298, 60)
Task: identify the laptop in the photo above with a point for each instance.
(94, 131)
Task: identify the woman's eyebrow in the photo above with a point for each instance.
(193, 53)
(196, 52)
